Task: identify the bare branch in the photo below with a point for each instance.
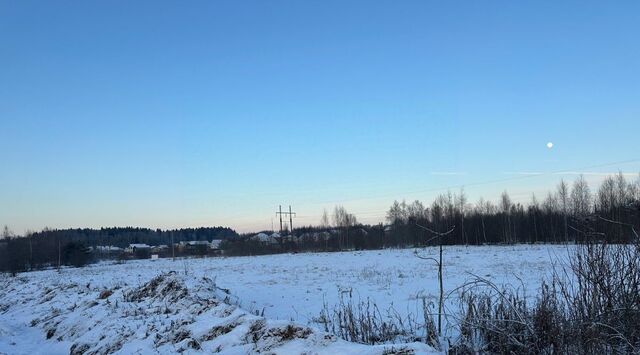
(437, 233)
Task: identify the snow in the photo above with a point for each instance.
(170, 313)
(202, 294)
(265, 238)
(140, 246)
(107, 248)
(290, 286)
(195, 242)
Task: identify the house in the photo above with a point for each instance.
(215, 244)
(108, 249)
(195, 246)
(323, 236)
(266, 238)
(214, 247)
(133, 248)
(290, 238)
(141, 251)
(159, 249)
(260, 237)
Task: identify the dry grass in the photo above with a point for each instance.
(590, 306)
(362, 321)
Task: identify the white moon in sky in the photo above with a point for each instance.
(549, 145)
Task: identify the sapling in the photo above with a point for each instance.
(439, 236)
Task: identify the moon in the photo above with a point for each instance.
(550, 145)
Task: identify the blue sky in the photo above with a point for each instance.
(168, 114)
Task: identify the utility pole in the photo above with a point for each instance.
(290, 221)
(290, 213)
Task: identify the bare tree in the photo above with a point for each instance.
(634, 189)
(416, 211)
(343, 220)
(621, 189)
(482, 210)
(550, 203)
(438, 210)
(505, 205)
(439, 236)
(535, 208)
(394, 215)
(607, 198)
(6, 232)
(580, 198)
(450, 205)
(324, 221)
(462, 202)
(563, 199)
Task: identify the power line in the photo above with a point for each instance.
(487, 182)
(375, 213)
(379, 213)
(290, 213)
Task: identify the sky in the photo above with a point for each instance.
(167, 114)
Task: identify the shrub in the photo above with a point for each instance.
(591, 306)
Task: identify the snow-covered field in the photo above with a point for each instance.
(182, 310)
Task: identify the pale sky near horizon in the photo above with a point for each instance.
(168, 114)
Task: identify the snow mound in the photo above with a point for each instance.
(163, 316)
(164, 287)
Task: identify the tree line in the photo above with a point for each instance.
(55, 247)
(570, 213)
